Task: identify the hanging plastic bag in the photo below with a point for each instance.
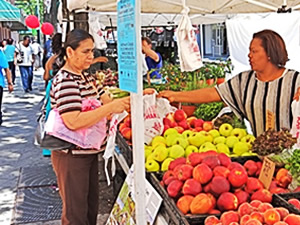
(155, 109)
(188, 49)
(295, 131)
(87, 138)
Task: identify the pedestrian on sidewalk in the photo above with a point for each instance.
(10, 53)
(77, 169)
(37, 51)
(4, 65)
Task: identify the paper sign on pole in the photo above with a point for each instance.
(267, 172)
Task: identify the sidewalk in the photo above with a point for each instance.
(18, 154)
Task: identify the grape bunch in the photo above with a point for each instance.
(272, 141)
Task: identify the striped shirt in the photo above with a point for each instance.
(67, 92)
(261, 103)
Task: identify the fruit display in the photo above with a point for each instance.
(255, 213)
(125, 129)
(210, 183)
(272, 141)
(208, 111)
(293, 165)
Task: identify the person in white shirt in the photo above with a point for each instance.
(37, 51)
(25, 64)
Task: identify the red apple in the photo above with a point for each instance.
(198, 123)
(207, 125)
(179, 115)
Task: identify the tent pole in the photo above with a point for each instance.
(254, 2)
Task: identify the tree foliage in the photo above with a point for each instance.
(29, 7)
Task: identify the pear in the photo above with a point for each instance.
(151, 165)
(219, 140)
(176, 151)
(214, 133)
(238, 132)
(231, 140)
(187, 133)
(170, 131)
(207, 146)
(171, 138)
(239, 148)
(165, 164)
(225, 129)
(223, 148)
(148, 151)
(160, 153)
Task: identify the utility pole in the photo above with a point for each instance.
(38, 15)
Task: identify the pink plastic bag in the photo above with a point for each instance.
(88, 138)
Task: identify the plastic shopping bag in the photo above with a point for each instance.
(295, 131)
(155, 109)
(88, 138)
(188, 49)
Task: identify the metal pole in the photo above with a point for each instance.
(38, 15)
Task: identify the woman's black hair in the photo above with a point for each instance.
(73, 40)
(274, 46)
(57, 43)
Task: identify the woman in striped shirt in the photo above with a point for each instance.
(77, 169)
(262, 95)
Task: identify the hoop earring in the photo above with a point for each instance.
(65, 58)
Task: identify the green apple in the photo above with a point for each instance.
(171, 138)
(197, 139)
(207, 146)
(225, 129)
(219, 140)
(223, 148)
(176, 151)
(158, 139)
(239, 148)
(180, 141)
(189, 149)
(214, 133)
(160, 153)
(187, 133)
(231, 140)
(165, 164)
(238, 132)
(148, 151)
(151, 165)
(208, 137)
(170, 131)
(203, 132)
(150, 157)
(249, 139)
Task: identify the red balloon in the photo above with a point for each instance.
(47, 28)
(32, 21)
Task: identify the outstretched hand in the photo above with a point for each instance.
(167, 94)
(297, 95)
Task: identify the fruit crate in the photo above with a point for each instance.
(243, 159)
(125, 149)
(170, 207)
(281, 200)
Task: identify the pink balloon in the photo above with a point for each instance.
(32, 21)
(47, 28)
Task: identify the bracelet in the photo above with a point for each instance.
(10, 83)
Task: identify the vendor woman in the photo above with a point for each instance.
(262, 95)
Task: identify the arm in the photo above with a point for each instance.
(9, 80)
(203, 95)
(48, 67)
(76, 120)
(101, 59)
(149, 52)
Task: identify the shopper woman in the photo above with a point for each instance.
(10, 53)
(77, 169)
(262, 95)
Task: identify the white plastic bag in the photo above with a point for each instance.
(155, 109)
(188, 49)
(295, 131)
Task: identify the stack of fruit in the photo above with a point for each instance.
(125, 129)
(210, 183)
(173, 144)
(255, 213)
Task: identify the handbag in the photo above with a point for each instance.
(19, 58)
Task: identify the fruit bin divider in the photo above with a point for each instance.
(125, 149)
(282, 200)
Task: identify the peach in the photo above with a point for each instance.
(227, 201)
(127, 133)
(174, 188)
(253, 185)
(202, 173)
(237, 177)
(253, 222)
(263, 195)
(221, 171)
(235, 165)
(194, 158)
(280, 223)
(283, 212)
(283, 177)
(292, 219)
(214, 212)
(225, 160)
(255, 203)
(242, 196)
(251, 167)
(234, 223)
(184, 172)
(264, 207)
(201, 204)
(191, 187)
(244, 219)
(211, 161)
(211, 220)
(258, 216)
(295, 202)
(245, 209)
(177, 162)
(219, 185)
(184, 203)
(229, 217)
(213, 200)
(271, 216)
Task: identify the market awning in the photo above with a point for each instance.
(11, 16)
